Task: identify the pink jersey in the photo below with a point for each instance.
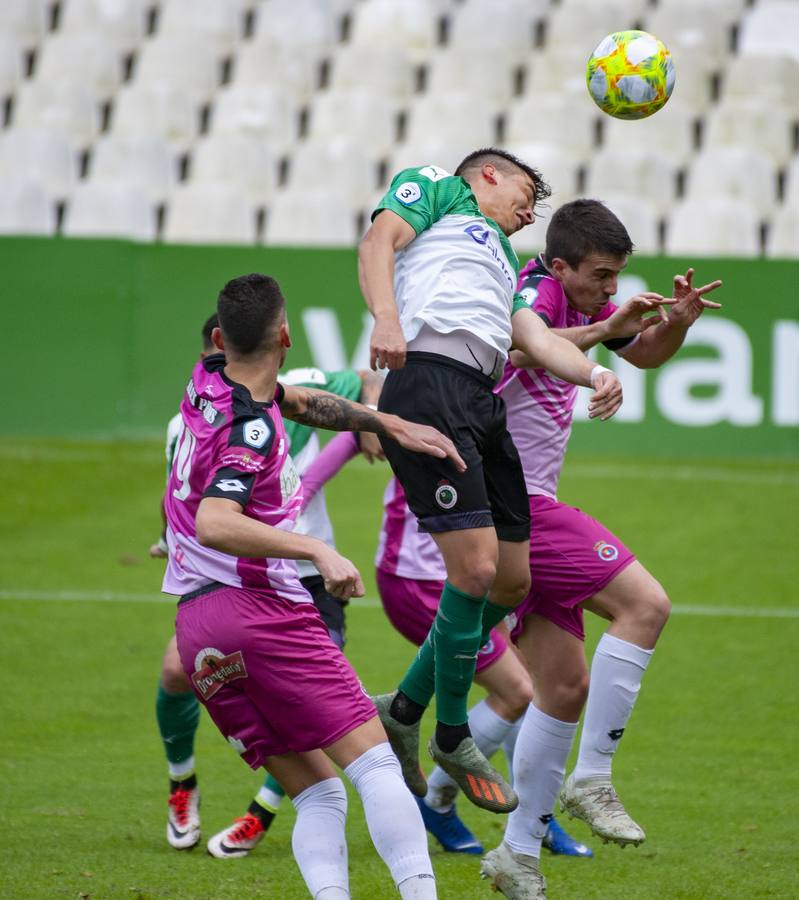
(540, 406)
(232, 447)
(404, 550)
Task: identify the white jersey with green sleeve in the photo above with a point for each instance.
(304, 448)
(460, 271)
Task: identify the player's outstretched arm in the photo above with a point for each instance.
(321, 409)
(387, 234)
(222, 525)
(543, 349)
(657, 345)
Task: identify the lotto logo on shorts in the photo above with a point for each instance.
(446, 495)
(213, 669)
(605, 551)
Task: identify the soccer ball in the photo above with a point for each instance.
(630, 75)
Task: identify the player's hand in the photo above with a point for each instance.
(632, 317)
(424, 439)
(370, 447)
(607, 396)
(158, 551)
(387, 345)
(689, 302)
(342, 579)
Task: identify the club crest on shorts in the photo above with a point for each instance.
(446, 495)
(212, 669)
(605, 551)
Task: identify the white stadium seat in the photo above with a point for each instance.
(293, 74)
(188, 64)
(205, 20)
(509, 29)
(792, 184)
(65, 107)
(458, 118)
(558, 166)
(433, 151)
(640, 172)
(85, 58)
(146, 162)
(713, 226)
(670, 130)
(389, 70)
(687, 26)
(24, 21)
(412, 24)
(751, 123)
(119, 22)
(361, 115)
(693, 82)
(245, 162)
(585, 25)
(484, 75)
(638, 215)
(110, 209)
(306, 26)
(311, 219)
(11, 62)
(547, 118)
(768, 79)
(160, 110)
(531, 240)
(25, 207)
(45, 157)
(771, 28)
(210, 214)
(783, 238)
(256, 110)
(559, 70)
(736, 172)
(333, 165)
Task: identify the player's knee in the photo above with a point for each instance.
(656, 607)
(568, 697)
(173, 679)
(511, 587)
(517, 695)
(477, 578)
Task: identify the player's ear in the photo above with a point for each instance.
(557, 267)
(490, 173)
(285, 335)
(218, 340)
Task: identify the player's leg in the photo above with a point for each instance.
(392, 817)
(557, 667)
(638, 609)
(178, 714)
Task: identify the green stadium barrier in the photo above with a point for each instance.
(102, 334)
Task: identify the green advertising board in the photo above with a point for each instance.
(101, 335)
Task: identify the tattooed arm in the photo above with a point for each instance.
(321, 409)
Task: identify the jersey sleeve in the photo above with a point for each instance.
(237, 462)
(542, 295)
(615, 344)
(415, 195)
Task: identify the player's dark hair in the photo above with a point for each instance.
(505, 162)
(210, 323)
(250, 309)
(582, 227)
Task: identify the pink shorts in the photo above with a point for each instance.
(411, 605)
(572, 557)
(268, 673)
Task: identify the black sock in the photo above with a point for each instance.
(187, 784)
(449, 736)
(405, 710)
(264, 815)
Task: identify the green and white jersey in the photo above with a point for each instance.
(304, 448)
(460, 271)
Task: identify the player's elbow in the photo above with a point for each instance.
(209, 529)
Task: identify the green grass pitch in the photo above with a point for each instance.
(708, 764)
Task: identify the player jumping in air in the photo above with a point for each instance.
(439, 274)
(576, 563)
(254, 645)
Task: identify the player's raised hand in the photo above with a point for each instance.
(607, 396)
(689, 302)
(424, 439)
(342, 579)
(633, 317)
(387, 345)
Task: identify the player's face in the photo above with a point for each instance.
(592, 283)
(514, 201)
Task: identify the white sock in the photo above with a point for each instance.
(616, 672)
(393, 819)
(509, 744)
(538, 769)
(318, 840)
(489, 731)
(269, 799)
(181, 770)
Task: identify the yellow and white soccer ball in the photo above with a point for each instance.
(630, 75)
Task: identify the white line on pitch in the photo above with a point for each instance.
(719, 612)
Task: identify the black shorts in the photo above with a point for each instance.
(331, 609)
(459, 401)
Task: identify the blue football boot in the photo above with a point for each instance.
(448, 830)
(558, 841)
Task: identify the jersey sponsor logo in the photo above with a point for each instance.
(546, 818)
(212, 669)
(605, 551)
(487, 648)
(434, 173)
(289, 479)
(209, 412)
(408, 192)
(230, 485)
(256, 433)
(615, 734)
(529, 295)
(446, 495)
(477, 233)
